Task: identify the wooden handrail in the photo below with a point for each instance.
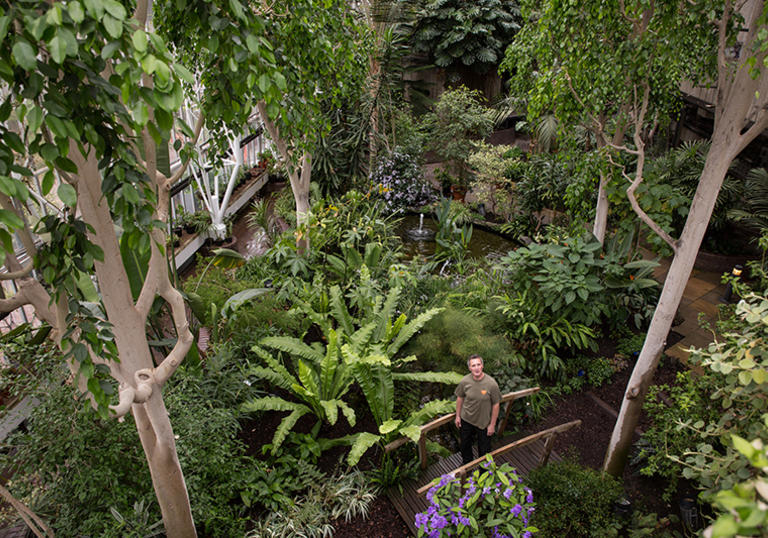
(550, 434)
(449, 418)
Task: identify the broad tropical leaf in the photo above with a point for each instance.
(331, 410)
(411, 328)
(276, 378)
(236, 300)
(227, 258)
(309, 379)
(340, 312)
(412, 432)
(447, 378)
(292, 346)
(273, 363)
(362, 443)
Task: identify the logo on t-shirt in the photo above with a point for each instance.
(483, 392)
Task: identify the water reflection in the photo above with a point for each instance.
(483, 244)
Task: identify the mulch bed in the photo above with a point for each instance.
(586, 444)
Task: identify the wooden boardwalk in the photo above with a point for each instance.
(523, 458)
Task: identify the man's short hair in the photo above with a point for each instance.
(472, 357)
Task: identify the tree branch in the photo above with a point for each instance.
(21, 273)
(638, 139)
(36, 524)
(195, 137)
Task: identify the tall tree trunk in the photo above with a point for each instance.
(741, 97)
(679, 271)
(140, 381)
(601, 209)
(159, 444)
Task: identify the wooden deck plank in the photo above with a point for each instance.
(524, 459)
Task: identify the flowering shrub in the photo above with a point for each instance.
(399, 182)
(492, 502)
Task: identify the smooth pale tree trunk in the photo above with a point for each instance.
(740, 97)
(674, 285)
(601, 209)
(141, 383)
(298, 175)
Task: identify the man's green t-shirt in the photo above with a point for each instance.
(479, 398)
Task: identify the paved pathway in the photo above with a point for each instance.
(701, 296)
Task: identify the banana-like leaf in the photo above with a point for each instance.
(227, 258)
(410, 329)
(331, 410)
(348, 412)
(339, 310)
(446, 378)
(272, 376)
(389, 426)
(292, 346)
(363, 441)
(236, 300)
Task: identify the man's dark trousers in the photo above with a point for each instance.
(468, 433)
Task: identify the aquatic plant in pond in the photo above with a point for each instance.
(492, 502)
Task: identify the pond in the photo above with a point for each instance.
(483, 244)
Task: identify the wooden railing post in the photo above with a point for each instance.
(548, 444)
(423, 449)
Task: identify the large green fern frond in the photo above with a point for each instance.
(272, 376)
(292, 346)
(446, 378)
(274, 364)
(410, 329)
(339, 310)
(430, 410)
(362, 442)
(383, 316)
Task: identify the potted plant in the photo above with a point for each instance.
(183, 220)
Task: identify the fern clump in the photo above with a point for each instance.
(450, 337)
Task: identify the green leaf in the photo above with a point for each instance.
(58, 49)
(5, 20)
(139, 40)
(389, 426)
(115, 9)
(227, 258)
(76, 11)
(48, 180)
(184, 73)
(24, 55)
(363, 442)
(11, 219)
(67, 194)
(236, 300)
(113, 26)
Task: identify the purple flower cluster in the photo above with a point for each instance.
(462, 509)
(399, 182)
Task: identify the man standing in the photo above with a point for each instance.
(477, 408)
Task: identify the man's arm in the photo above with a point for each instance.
(459, 403)
(494, 417)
